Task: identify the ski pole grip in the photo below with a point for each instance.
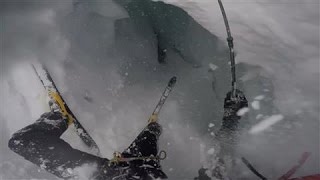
(172, 81)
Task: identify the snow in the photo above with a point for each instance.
(69, 171)
(259, 98)
(266, 35)
(16, 142)
(211, 125)
(259, 116)
(80, 131)
(266, 123)
(243, 111)
(212, 67)
(255, 105)
(85, 171)
(210, 151)
(54, 123)
(43, 163)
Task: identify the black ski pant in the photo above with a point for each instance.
(41, 144)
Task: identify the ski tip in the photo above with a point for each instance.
(172, 81)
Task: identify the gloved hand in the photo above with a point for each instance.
(202, 175)
(234, 104)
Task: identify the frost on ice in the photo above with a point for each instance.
(265, 124)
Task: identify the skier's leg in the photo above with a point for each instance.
(146, 143)
(52, 123)
(40, 143)
(228, 133)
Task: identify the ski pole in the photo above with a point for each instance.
(231, 50)
(248, 164)
(165, 94)
(290, 172)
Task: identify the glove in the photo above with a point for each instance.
(202, 175)
(233, 104)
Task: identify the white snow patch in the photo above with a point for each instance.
(210, 151)
(16, 142)
(255, 105)
(85, 171)
(43, 163)
(54, 123)
(265, 124)
(80, 131)
(146, 166)
(212, 67)
(248, 76)
(259, 116)
(69, 170)
(243, 111)
(259, 98)
(210, 125)
(60, 168)
(208, 173)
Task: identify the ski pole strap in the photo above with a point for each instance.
(117, 158)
